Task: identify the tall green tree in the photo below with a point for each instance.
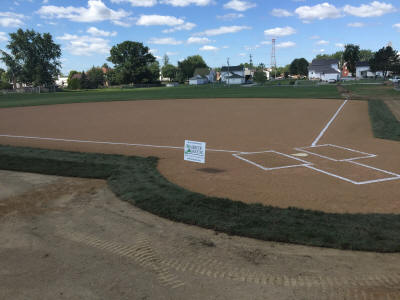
(366, 55)
(169, 71)
(132, 62)
(95, 77)
(351, 56)
(14, 69)
(187, 67)
(385, 59)
(299, 66)
(36, 55)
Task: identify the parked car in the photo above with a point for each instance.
(332, 80)
(395, 79)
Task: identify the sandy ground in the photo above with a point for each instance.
(249, 125)
(64, 238)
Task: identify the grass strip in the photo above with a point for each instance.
(384, 123)
(161, 93)
(137, 180)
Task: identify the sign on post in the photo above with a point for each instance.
(195, 151)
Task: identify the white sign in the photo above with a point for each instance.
(195, 151)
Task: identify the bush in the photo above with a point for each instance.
(5, 86)
(74, 84)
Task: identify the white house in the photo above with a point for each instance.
(363, 71)
(62, 81)
(324, 69)
(233, 75)
(202, 76)
(197, 80)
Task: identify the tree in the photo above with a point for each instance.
(169, 71)
(36, 55)
(14, 69)
(299, 66)
(259, 76)
(337, 55)
(70, 75)
(385, 60)
(132, 61)
(95, 77)
(351, 56)
(186, 67)
(84, 81)
(366, 55)
(165, 60)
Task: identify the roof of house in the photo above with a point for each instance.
(232, 68)
(235, 76)
(202, 71)
(324, 62)
(197, 77)
(362, 64)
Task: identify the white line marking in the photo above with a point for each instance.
(329, 123)
(104, 143)
(367, 155)
(373, 168)
(305, 163)
(333, 175)
(378, 180)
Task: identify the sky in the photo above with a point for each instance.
(216, 30)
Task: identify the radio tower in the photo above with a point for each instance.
(273, 57)
(251, 61)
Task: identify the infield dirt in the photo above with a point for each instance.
(242, 125)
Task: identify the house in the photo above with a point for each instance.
(197, 80)
(202, 76)
(363, 71)
(62, 81)
(324, 69)
(233, 75)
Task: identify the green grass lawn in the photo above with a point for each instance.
(137, 180)
(181, 92)
(373, 92)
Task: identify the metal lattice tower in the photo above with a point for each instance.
(251, 60)
(273, 56)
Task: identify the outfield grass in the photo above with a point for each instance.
(384, 123)
(181, 92)
(137, 180)
(373, 92)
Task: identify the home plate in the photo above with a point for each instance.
(300, 154)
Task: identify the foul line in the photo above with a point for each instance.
(329, 123)
(104, 143)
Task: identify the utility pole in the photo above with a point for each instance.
(273, 56)
(251, 61)
(227, 60)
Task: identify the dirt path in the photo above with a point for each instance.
(65, 238)
(249, 125)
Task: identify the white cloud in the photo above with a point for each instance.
(286, 45)
(322, 42)
(198, 40)
(249, 48)
(339, 45)
(152, 20)
(45, 1)
(229, 17)
(143, 3)
(208, 48)
(183, 3)
(85, 45)
(242, 54)
(185, 26)
(280, 31)
(239, 5)
(98, 32)
(278, 12)
(10, 19)
(164, 41)
(95, 12)
(356, 24)
(171, 53)
(224, 30)
(374, 9)
(3, 37)
(318, 12)
(397, 26)
(266, 43)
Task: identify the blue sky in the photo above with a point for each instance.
(86, 30)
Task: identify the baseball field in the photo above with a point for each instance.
(312, 163)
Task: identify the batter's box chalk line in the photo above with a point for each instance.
(303, 163)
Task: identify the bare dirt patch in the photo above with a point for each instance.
(87, 244)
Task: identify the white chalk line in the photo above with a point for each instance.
(365, 155)
(329, 123)
(104, 143)
(238, 155)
